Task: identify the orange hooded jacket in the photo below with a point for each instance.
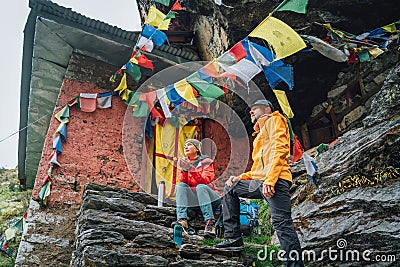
(271, 150)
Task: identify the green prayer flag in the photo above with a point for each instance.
(203, 87)
(20, 225)
(291, 133)
(63, 115)
(164, 2)
(133, 99)
(298, 6)
(363, 56)
(134, 71)
(44, 193)
(142, 110)
(170, 15)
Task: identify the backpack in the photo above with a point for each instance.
(248, 219)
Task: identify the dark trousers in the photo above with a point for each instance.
(279, 207)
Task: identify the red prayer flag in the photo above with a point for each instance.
(143, 60)
(238, 51)
(297, 150)
(177, 6)
(211, 70)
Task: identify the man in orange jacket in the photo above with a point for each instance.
(269, 178)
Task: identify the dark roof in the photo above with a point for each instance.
(51, 34)
(69, 17)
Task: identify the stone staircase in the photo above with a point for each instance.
(117, 228)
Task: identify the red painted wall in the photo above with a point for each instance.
(93, 151)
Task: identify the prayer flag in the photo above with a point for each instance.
(173, 96)
(363, 56)
(258, 57)
(143, 61)
(170, 15)
(158, 37)
(276, 74)
(177, 6)
(20, 225)
(283, 39)
(53, 158)
(157, 19)
(284, 103)
(134, 71)
(375, 52)
(10, 233)
(390, 27)
(227, 59)
(163, 100)
(88, 102)
(164, 2)
(125, 94)
(311, 167)
(297, 150)
(265, 53)
(145, 44)
(185, 90)
(57, 144)
(45, 192)
(245, 69)
(62, 131)
(122, 85)
(63, 114)
(238, 51)
(104, 100)
(298, 6)
(204, 76)
(326, 49)
(204, 88)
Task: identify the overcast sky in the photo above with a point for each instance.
(122, 13)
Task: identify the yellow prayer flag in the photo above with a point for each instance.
(390, 27)
(337, 32)
(284, 103)
(63, 115)
(283, 39)
(133, 60)
(185, 90)
(156, 18)
(125, 94)
(122, 85)
(375, 52)
(10, 233)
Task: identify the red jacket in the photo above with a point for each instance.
(202, 172)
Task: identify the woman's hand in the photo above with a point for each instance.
(184, 164)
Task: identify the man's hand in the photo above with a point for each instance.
(268, 190)
(231, 180)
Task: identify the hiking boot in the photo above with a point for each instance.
(235, 244)
(182, 222)
(209, 230)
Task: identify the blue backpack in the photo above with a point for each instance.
(248, 219)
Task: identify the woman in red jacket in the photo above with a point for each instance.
(196, 186)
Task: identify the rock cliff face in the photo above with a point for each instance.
(358, 198)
